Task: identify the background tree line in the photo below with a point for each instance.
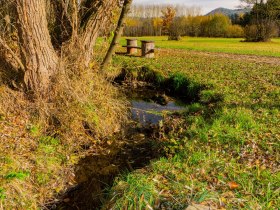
(259, 24)
(263, 22)
(157, 20)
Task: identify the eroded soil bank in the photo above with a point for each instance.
(131, 149)
(152, 97)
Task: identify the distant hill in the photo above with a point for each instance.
(228, 12)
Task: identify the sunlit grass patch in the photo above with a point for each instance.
(204, 177)
(140, 193)
(21, 175)
(226, 152)
(221, 45)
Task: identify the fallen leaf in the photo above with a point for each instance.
(233, 185)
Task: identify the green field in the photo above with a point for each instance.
(221, 151)
(225, 45)
(225, 151)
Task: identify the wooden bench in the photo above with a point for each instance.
(131, 46)
(147, 47)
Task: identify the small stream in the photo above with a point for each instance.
(132, 149)
(149, 106)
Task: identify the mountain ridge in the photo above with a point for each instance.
(228, 12)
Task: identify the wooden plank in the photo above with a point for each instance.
(131, 47)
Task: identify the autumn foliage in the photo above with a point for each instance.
(174, 23)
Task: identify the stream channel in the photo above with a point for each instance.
(131, 149)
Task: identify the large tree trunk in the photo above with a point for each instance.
(38, 55)
(96, 22)
(39, 60)
(117, 34)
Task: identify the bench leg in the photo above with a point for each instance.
(148, 50)
(131, 51)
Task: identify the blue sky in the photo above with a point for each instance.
(206, 5)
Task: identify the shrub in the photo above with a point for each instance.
(235, 31)
(251, 33)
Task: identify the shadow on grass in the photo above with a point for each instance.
(132, 149)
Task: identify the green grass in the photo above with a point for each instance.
(19, 174)
(143, 195)
(225, 45)
(230, 134)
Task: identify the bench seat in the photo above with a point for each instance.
(128, 46)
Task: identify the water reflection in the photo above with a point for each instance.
(149, 112)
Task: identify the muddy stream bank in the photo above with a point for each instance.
(133, 148)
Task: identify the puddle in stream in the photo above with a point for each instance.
(151, 112)
(131, 149)
(149, 106)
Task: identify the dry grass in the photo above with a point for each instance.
(42, 139)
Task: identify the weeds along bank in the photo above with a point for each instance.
(42, 140)
(227, 154)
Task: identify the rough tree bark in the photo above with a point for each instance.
(38, 55)
(90, 29)
(38, 58)
(117, 34)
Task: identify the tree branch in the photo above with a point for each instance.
(117, 34)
